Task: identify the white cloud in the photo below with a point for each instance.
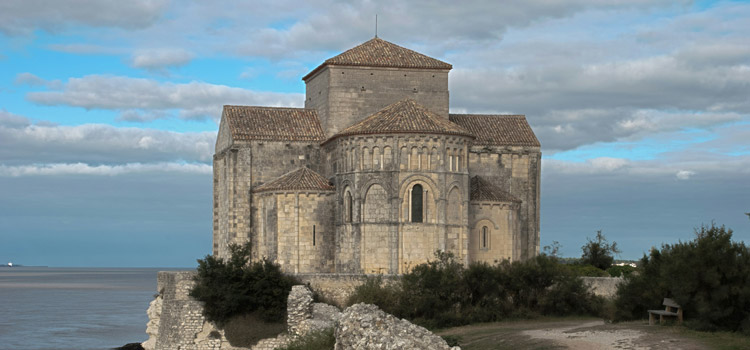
(684, 174)
(590, 166)
(669, 167)
(145, 99)
(87, 49)
(10, 120)
(29, 79)
(156, 59)
(57, 169)
(22, 142)
(21, 17)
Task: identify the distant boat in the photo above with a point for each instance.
(10, 264)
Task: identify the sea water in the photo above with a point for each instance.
(74, 308)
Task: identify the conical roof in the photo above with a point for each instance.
(404, 117)
(302, 179)
(377, 52)
(483, 190)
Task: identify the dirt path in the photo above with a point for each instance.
(583, 334)
(599, 335)
(584, 337)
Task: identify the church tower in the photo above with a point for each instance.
(365, 79)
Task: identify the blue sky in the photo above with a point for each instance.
(109, 111)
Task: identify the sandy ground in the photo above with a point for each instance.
(598, 335)
(585, 338)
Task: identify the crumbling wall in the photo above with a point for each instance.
(603, 286)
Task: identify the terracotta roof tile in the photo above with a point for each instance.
(500, 130)
(273, 124)
(380, 53)
(302, 179)
(405, 116)
(483, 190)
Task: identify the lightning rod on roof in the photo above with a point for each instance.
(376, 25)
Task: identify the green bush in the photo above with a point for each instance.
(374, 291)
(599, 252)
(445, 293)
(709, 277)
(236, 286)
(586, 270)
(620, 271)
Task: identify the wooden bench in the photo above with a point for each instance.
(672, 310)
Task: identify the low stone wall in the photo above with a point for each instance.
(336, 288)
(176, 320)
(603, 286)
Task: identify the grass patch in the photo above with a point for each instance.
(322, 340)
(712, 340)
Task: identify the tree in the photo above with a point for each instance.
(553, 250)
(709, 276)
(599, 252)
(237, 286)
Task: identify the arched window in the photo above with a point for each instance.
(485, 242)
(416, 203)
(348, 207)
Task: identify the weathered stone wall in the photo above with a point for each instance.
(516, 170)
(379, 174)
(179, 318)
(345, 95)
(295, 229)
(232, 183)
(365, 327)
(241, 166)
(337, 287)
(603, 286)
(502, 228)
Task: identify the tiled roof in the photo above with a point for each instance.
(404, 117)
(483, 190)
(380, 53)
(273, 124)
(302, 179)
(500, 130)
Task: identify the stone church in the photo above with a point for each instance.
(375, 175)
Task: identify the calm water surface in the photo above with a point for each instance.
(74, 308)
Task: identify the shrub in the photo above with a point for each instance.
(709, 277)
(570, 297)
(599, 252)
(445, 293)
(236, 286)
(620, 271)
(586, 270)
(374, 291)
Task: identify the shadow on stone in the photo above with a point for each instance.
(247, 330)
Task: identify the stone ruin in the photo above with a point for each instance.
(176, 322)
